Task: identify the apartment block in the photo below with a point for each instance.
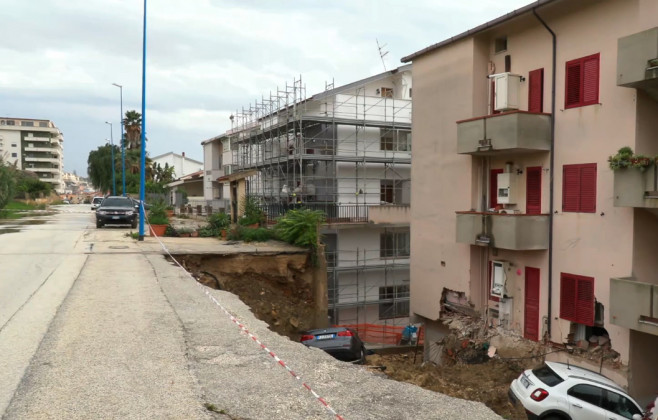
(345, 151)
(36, 146)
(516, 214)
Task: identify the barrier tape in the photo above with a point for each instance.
(240, 325)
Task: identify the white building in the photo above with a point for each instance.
(36, 146)
(347, 152)
(182, 164)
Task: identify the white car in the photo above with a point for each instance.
(95, 202)
(558, 391)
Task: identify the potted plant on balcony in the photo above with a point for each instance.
(157, 219)
(625, 158)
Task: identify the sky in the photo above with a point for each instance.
(205, 58)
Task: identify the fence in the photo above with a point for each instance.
(334, 213)
(382, 334)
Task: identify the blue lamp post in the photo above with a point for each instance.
(114, 184)
(142, 175)
(123, 141)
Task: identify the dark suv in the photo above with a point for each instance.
(117, 211)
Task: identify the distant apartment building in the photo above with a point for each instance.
(182, 164)
(516, 214)
(346, 152)
(36, 146)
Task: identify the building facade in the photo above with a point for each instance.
(182, 164)
(516, 213)
(36, 146)
(346, 152)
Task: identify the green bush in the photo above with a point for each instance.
(255, 235)
(252, 212)
(171, 232)
(157, 215)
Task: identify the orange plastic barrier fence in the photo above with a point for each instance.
(382, 334)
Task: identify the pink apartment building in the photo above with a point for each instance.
(516, 213)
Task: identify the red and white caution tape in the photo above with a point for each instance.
(253, 337)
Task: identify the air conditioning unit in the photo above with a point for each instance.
(506, 91)
(499, 270)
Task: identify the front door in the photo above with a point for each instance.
(531, 310)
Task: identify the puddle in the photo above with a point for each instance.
(9, 230)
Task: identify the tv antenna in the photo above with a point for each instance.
(382, 53)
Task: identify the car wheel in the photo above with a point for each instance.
(99, 225)
(362, 359)
(133, 224)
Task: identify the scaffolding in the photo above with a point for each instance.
(339, 151)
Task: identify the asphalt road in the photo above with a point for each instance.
(105, 327)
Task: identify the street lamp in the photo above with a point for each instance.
(123, 150)
(114, 184)
(142, 164)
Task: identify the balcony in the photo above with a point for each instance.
(389, 214)
(507, 133)
(637, 61)
(42, 159)
(49, 170)
(517, 232)
(334, 213)
(635, 188)
(635, 305)
(53, 150)
(31, 139)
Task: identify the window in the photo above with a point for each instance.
(395, 301)
(14, 145)
(500, 44)
(619, 405)
(410, 92)
(582, 82)
(14, 155)
(386, 92)
(395, 140)
(579, 188)
(27, 123)
(536, 91)
(11, 122)
(588, 393)
(43, 124)
(577, 298)
(390, 191)
(394, 244)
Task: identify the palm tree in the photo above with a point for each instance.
(133, 126)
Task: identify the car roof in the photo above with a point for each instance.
(576, 372)
(327, 330)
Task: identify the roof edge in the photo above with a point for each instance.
(480, 28)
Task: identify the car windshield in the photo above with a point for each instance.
(97, 200)
(547, 375)
(117, 202)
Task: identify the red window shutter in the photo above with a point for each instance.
(570, 188)
(536, 91)
(585, 301)
(567, 297)
(572, 96)
(533, 190)
(588, 188)
(590, 80)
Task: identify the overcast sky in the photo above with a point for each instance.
(205, 58)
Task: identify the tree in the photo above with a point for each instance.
(6, 184)
(99, 166)
(28, 185)
(133, 125)
(163, 175)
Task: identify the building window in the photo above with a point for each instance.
(394, 244)
(390, 191)
(500, 44)
(410, 92)
(394, 301)
(395, 140)
(43, 124)
(14, 145)
(27, 123)
(577, 298)
(579, 188)
(11, 122)
(14, 155)
(582, 82)
(386, 92)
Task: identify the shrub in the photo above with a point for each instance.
(300, 227)
(171, 232)
(252, 212)
(255, 235)
(157, 215)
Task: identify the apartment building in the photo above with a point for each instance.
(516, 214)
(346, 152)
(35, 146)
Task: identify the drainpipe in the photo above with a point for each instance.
(551, 172)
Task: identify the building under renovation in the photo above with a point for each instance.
(347, 152)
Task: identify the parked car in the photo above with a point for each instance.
(116, 210)
(136, 203)
(95, 202)
(342, 343)
(559, 391)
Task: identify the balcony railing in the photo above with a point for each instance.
(637, 61)
(635, 188)
(510, 132)
(635, 305)
(519, 232)
(334, 213)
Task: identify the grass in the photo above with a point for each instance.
(19, 205)
(213, 408)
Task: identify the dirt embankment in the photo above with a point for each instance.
(279, 287)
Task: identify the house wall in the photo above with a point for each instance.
(9, 138)
(450, 85)
(182, 165)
